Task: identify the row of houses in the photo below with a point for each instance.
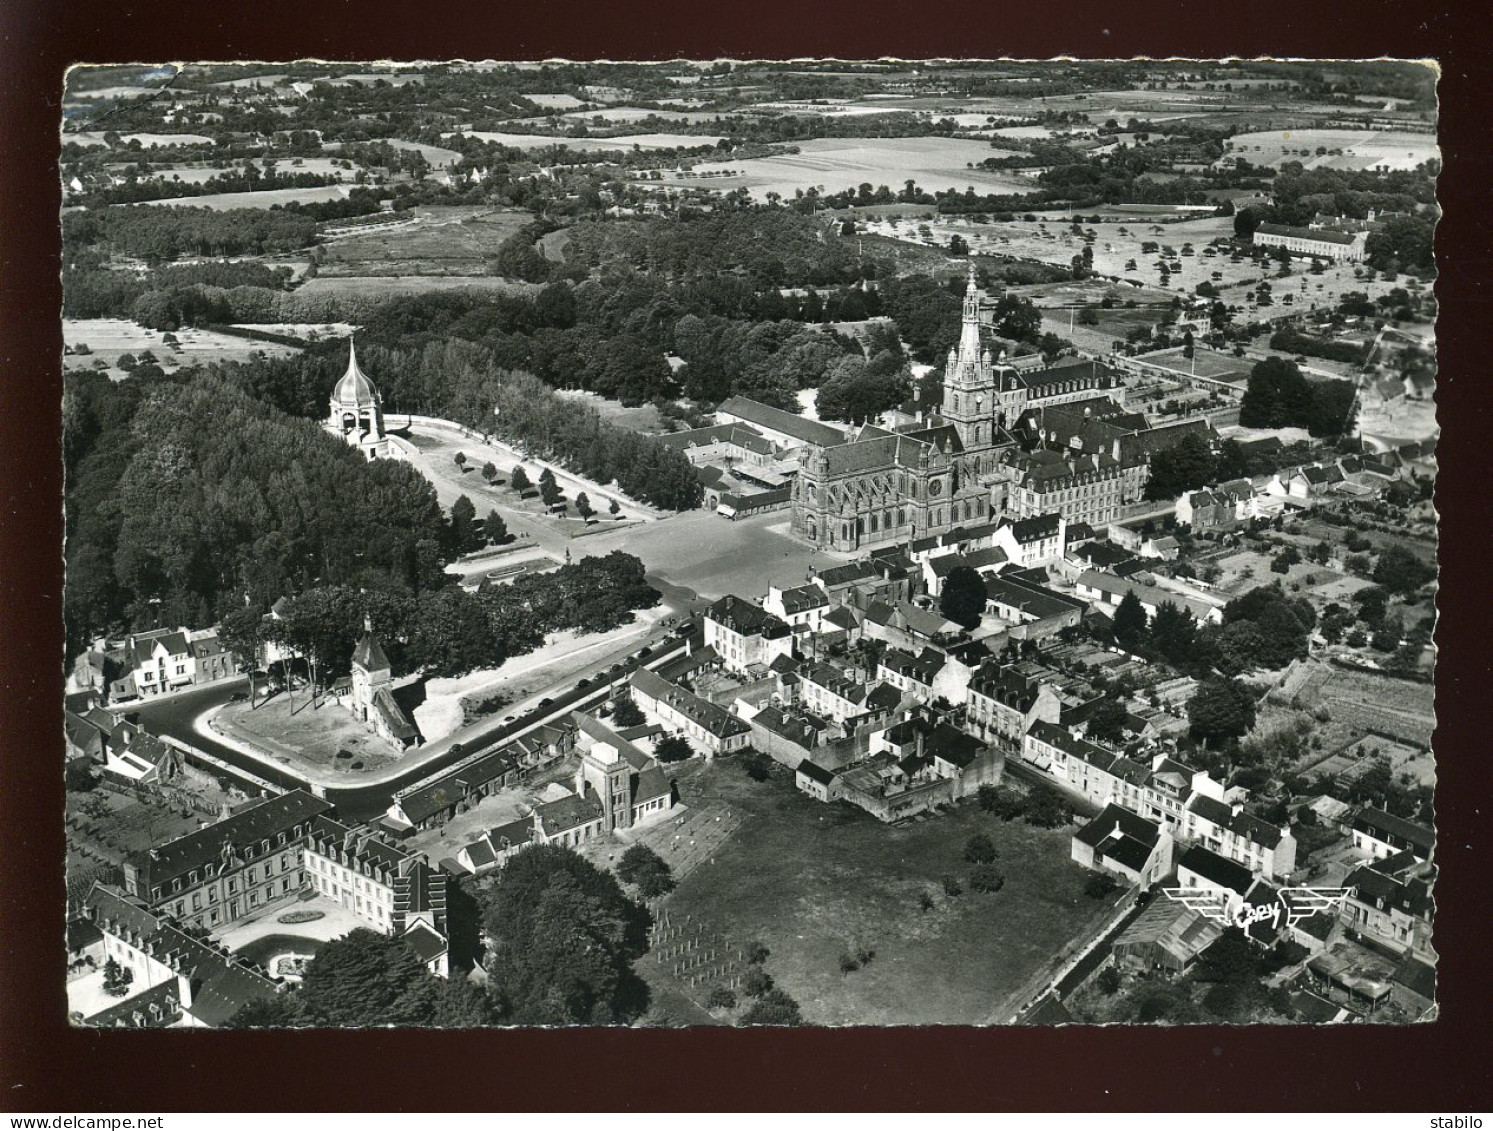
(147, 664)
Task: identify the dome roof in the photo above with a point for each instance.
(354, 387)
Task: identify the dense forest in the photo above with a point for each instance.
(184, 494)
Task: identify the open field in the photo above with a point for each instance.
(396, 286)
(643, 418)
(611, 115)
(812, 881)
(1203, 363)
(555, 101)
(1362, 149)
(91, 138)
(445, 240)
(198, 173)
(222, 201)
(326, 734)
(597, 144)
(837, 164)
(108, 338)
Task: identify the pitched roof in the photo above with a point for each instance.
(745, 617)
(1394, 830)
(369, 654)
(427, 944)
(788, 423)
(1217, 869)
(815, 772)
(260, 821)
(712, 716)
(1325, 235)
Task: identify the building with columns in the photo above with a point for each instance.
(357, 411)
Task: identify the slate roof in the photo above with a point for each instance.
(745, 617)
(1394, 830)
(712, 716)
(220, 985)
(561, 816)
(803, 598)
(1037, 528)
(1325, 235)
(1217, 869)
(1034, 600)
(428, 945)
(788, 423)
(369, 654)
(1417, 976)
(248, 828)
(815, 772)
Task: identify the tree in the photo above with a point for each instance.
(613, 507)
(672, 748)
(756, 982)
(756, 953)
(952, 887)
(1108, 721)
(461, 460)
(963, 598)
(627, 713)
(464, 534)
(958, 245)
(721, 997)
(848, 963)
(1246, 220)
(641, 866)
(366, 979)
(562, 939)
(1109, 981)
(519, 480)
(241, 631)
(489, 471)
(117, 978)
(772, 1008)
(1045, 809)
(1219, 709)
(979, 849)
(549, 490)
(494, 529)
(1130, 622)
(1399, 571)
(986, 878)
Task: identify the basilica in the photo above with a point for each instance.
(880, 487)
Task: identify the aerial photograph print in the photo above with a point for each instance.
(749, 543)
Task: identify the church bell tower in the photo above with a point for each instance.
(969, 382)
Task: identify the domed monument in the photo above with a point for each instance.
(357, 413)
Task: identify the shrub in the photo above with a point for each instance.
(979, 849)
(756, 982)
(756, 953)
(722, 997)
(1099, 885)
(952, 887)
(1108, 981)
(987, 878)
(773, 1008)
(848, 964)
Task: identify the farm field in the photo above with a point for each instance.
(585, 144)
(1115, 245)
(812, 881)
(615, 114)
(395, 286)
(222, 201)
(1362, 149)
(197, 174)
(555, 101)
(445, 240)
(92, 138)
(108, 338)
(1203, 363)
(837, 164)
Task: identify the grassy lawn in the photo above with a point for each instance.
(451, 240)
(813, 880)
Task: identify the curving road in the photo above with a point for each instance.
(176, 718)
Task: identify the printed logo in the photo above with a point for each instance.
(1290, 906)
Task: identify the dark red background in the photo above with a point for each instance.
(44, 1066)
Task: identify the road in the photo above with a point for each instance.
(177, 716)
